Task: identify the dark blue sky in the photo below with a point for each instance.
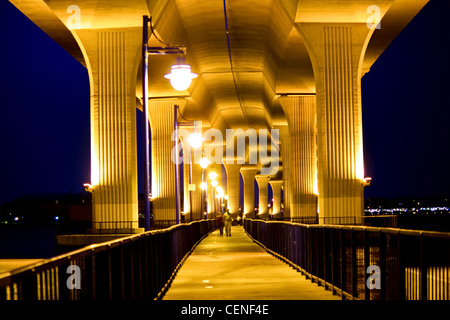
(44, 111)
(406, 110)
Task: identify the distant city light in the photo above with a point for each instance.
(414, 210)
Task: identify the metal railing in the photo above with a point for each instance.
(112, 227)
(136, 267)
(389, 221)
(408, 264)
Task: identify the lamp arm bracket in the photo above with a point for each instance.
(167, 48)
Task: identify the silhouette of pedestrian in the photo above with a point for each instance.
(220, 224)
(228, 220)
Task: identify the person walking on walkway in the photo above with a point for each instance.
(228, 220)
(220, 224)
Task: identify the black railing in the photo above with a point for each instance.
(134, 267)
(388, 221)
(408, 264)
(112, 227)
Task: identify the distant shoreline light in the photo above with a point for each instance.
(393, 210)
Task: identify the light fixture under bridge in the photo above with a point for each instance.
(181, 75)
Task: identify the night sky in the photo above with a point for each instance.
(44, 111)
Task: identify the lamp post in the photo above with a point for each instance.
(204, 162)
(195, 140)
(220, 195)
(180, 78)
(212, 175)
(146, 129)
(204, 186)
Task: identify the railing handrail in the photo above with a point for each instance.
(5, 278)
(362, 228)
(411, 264)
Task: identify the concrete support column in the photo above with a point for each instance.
(233, 187)
(186, 198)
(197, 193)
(192, 199)
(276, 195)
(336, 51)
(111, 57)
(301, 116)
(248, 177)
(163, 166)
(285, 157)
(263, 186)
(209, 193)
(213, 203)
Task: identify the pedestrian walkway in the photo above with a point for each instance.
(236, 268)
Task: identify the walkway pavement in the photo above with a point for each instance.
(236, 268)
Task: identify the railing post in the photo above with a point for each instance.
(382, 244)
(310, 252)
(316, 250)
(140, 260)
(146, 268)
(332, 260)
(401, 270)
(122, 272)
(354, 265)
(27, 287)
(342, 262)
(366, 263)
(325, 253)
(422, 270)
(94, 292)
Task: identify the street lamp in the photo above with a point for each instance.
(213, 175)
(214, 183)
(181, 75)
(204, 162)
(220, 195)
(195, 140)
(180, 78)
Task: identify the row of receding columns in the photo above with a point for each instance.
(249, 176)
(321, 146)
(198, 210)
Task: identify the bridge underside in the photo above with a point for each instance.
(284, 75)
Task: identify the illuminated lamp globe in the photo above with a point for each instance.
(213, 175)
(180, 76)
(214, 183)
(203, 186)
(195, 140)
(204, 162)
